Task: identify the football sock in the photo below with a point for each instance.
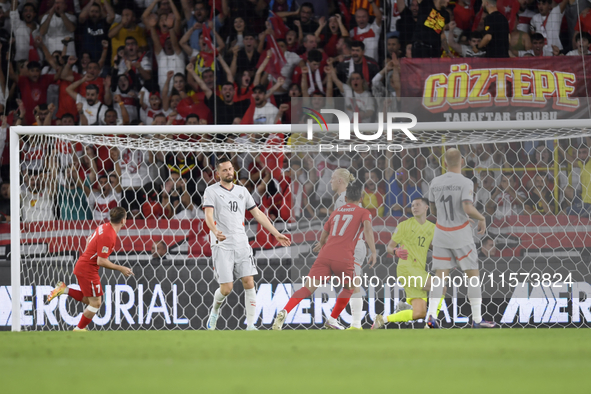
(250, 304)
(475, 297)
(75, 294)
(439, 306)
(342, 301)
(84, 321)
(218, 300)
(296, 298)
(356, 310)
(401, 316)
(434, 300)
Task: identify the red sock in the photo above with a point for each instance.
(342, 301)
(296, 298)
(75, 294)
(84, 321)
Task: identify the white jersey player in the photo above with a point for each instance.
(339, 181)
(225, 204)
(451, 197)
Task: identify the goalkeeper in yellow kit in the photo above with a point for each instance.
(414, 235)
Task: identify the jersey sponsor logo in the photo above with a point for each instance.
(105, 249)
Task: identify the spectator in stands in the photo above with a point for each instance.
(71, 198)
(136, 61)
(37, 196)
(403, 188)
(540, 200)
(537, 47)
(90, 109)
(519, 40)
(488, 248)
(407, 23)
(197, 17)
(585, 165)
(133, 170)
(169, 56)
(468, 50)
(105, 198)
(573, 189)
(484, 194)
(372, 199)
(127, 28)
(548, 22)
(95, 28)
(155, 107)
(496, 37)
(56, 25)
(5, 202)
(336, 30)
(356, 90)
(368, 33)
(358, 63)
(260, 111)
(25, 29)
(429, 35)
(464, 14)
(245, 58)
(393, 45)
(581, 44)
(584, 20)
(506, 199)
(301, 20)
(160, 251)
(33, 88)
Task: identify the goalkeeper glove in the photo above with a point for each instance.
(401, 253)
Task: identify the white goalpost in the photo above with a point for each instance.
(169, 301)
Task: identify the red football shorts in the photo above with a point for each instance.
(325, 268)
(90, 285)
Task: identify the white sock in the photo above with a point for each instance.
(434, 298)
(218, 300)
(475, 297)
(331, 319)
(356, 303)
(250, 304)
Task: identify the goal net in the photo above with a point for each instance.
(531, 181)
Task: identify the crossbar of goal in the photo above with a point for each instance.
(301, 128)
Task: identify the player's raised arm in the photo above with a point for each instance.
(103, 262)
(368, 233)
(266, 223)
(473, 213)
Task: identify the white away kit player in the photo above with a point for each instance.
(225, 204)
(339, 181)
(451, 197)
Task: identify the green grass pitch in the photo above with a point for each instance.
(316, 361)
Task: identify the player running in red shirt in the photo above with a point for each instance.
(336, 257)
(98, 249)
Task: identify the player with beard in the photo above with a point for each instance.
(225, 204)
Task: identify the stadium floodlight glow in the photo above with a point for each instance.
(242, 139)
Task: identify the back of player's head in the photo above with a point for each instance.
(117, 215)
(453, 157)
(345, 175)
(354, 191)
(221, 160)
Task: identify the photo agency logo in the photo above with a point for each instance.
(392, 123)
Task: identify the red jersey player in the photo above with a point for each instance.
(98, 249)
(336, 257)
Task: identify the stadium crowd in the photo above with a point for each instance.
(163, 62)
